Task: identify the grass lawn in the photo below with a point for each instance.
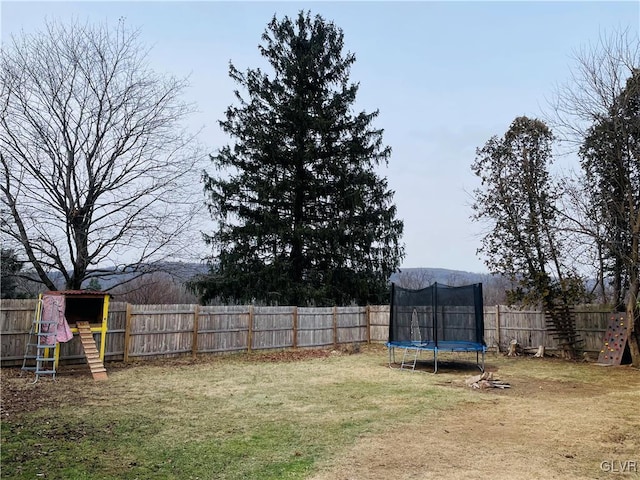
(318, 415)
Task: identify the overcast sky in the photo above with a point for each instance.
(446, 76)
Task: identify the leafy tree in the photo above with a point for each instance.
(10, 266)
(302, 215)
(611, 161)
(94, 166)
(518, 198)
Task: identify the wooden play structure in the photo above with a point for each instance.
(59, 317)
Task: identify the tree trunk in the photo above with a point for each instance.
(633, 322)
(633, 302)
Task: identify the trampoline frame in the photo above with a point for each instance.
(451, 346)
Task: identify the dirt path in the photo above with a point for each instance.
(541, 429)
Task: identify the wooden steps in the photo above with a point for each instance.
(91, 352)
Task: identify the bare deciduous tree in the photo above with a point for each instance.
(598, 74)
(414, 279)
(155, 289)
(598, 113)
(96, 164)
(495, 288)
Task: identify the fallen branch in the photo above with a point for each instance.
(485, 380)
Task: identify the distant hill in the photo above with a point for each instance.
(409, 277)
(422, 277)
(181, 271)
(185, 271)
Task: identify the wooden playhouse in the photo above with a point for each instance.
(83, 313)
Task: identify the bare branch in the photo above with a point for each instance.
(96, 166)
(596, 79)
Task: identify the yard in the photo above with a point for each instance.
(322, 415)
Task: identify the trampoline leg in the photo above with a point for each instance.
(435, 360)
(481, 367)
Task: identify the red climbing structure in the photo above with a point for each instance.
(615, 340)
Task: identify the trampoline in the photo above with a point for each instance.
(436, 318)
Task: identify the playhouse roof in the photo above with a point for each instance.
(84, 293)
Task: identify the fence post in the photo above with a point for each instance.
(194, 342)
(367, 314)
(250, 331)
(295, 327)
(335, 326)
(127, 332)
(498, 327)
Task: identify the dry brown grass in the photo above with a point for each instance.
(324, 415)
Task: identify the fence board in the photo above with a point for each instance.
(161, 330)
(114, 348)
(15, 321)
(315, 326)
(223, 329)
(351, 324)
(491, 334)
(379, 322)
(272, 327)
(591, 325)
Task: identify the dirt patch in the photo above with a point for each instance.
(539, 429)
(290, 355)
(19, 394)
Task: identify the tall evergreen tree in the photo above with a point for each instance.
(302, 215)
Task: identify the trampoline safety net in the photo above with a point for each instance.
(436, 315)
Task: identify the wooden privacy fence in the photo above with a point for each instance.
(147, 331)
(137, 331)
(502, 324)
(152, 330)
